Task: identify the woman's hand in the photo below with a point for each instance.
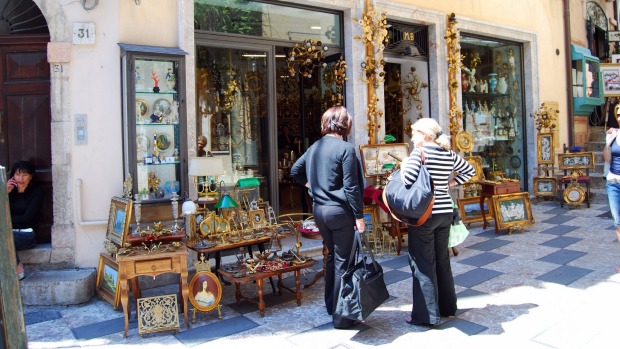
(10, 184)
(360, 224)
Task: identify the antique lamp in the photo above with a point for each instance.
(224, 203)
(203, 167)
(244, 186)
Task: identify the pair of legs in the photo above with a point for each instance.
(433, 284)
(336, 225)
(613, 194)
(23, 240)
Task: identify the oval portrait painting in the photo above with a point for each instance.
(205, 291)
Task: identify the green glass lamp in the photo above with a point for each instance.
(226, 202)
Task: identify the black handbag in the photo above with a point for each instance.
(410, 204)
(362, 287)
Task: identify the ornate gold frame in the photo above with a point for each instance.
(502, 201)
(554, 190)
(541, 137)
(475, 200)
(476, 162)
(374, 155)
(113, 298)
(254, 214)
(118, 220)
(464, 141)
(159, 313)
(195, 287)
(577, 188)
(563, 164)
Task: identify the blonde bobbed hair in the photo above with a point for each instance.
(432, 132)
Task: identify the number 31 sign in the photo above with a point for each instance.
(83, 33)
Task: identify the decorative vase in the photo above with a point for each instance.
(464, 82)
(502, 85)
(492, 82)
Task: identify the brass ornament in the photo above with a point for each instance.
(159, 313)
(464, 141)
(453, 41)
(544, 118)
(374, 29)
(374, 115)
(304, 57)
(412, 87)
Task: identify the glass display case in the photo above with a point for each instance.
(493, 105)
(154, 121)
(586, 80)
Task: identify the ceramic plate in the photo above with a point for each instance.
(163, 141)
(162, 104)
(143, 107)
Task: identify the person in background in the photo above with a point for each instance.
(433, 285)
(611, 154)
(333, 174)
(24, 201)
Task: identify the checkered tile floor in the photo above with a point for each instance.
(551, 286)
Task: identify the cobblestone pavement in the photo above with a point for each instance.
(551, 286)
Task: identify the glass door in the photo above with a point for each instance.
(232, 113)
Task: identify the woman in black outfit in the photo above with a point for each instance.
(24, 201)
(433, 284)
(331, 171)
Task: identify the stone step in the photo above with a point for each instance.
(58, 287)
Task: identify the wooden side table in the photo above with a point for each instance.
(152, 264)
(258, 278)
(491, 188)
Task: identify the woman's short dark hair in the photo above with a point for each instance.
(24, 167)
(336, 120)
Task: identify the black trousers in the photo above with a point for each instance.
(337, 227)
(433, 284)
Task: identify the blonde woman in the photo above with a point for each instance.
(433, 284)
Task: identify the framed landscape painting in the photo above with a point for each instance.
(107, 280)
(469, 209)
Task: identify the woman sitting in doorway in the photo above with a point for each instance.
(24, 201)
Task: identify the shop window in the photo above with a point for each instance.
(266, 20)
(493, 112)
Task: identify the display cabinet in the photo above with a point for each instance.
(154, 120)
(586, 80)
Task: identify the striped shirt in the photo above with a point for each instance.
(440, 164)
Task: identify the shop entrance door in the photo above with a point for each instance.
(25, 117)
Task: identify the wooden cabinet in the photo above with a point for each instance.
(154, 120)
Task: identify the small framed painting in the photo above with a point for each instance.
(545, 186)
(380, 159)
(469, 209)
(576, 161)
(107, 280)
(257, 217)
(545, 148)
(205, 291)
(118, 220)
(513, 210)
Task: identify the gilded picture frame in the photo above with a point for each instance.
(376, 158)
(545, 148)
(107, 284)
(476, 162)
(545, 186)
(513, 210)
(469, 209)
(576, 161)
(257, 217)
(118, 220)
(370, 218)
(201, 299)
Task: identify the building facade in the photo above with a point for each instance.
(521, 46)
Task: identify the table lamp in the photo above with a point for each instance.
(225, 202)
(204, 167)
(245, 185)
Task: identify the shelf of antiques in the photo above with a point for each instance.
(492, 105)
(154, 120)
